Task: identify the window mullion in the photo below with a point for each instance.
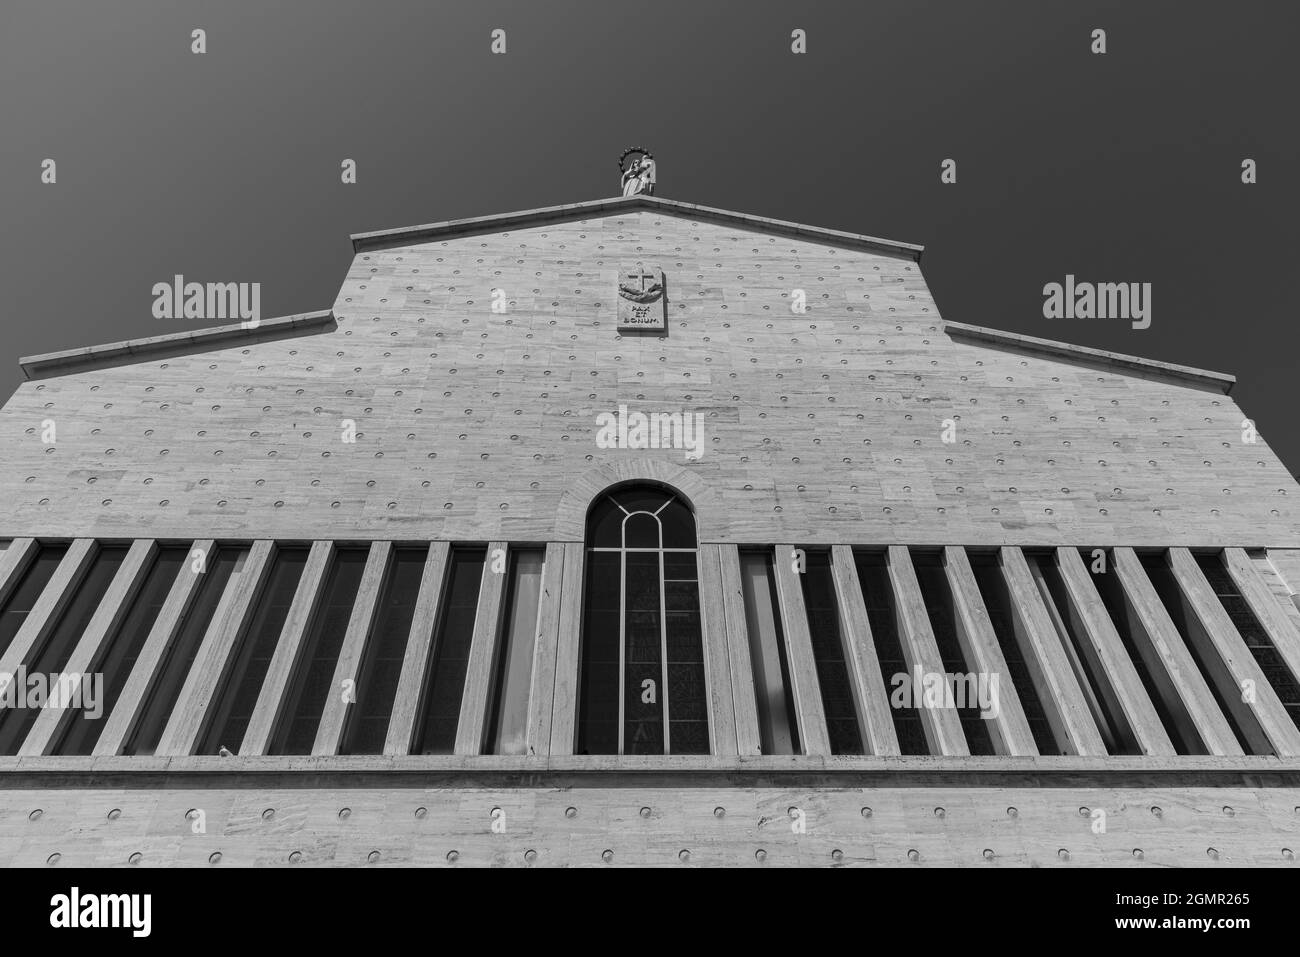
(622, 642)
(663, 646)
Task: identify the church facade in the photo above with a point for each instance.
(639, 532)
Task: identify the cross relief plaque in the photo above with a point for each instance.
(642, 304)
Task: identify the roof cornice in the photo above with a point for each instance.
(409, 235)
(1150, 368)
(179, 343)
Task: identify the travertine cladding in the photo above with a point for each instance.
(823, 427)
(732, 826)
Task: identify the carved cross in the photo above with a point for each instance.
(643, 275)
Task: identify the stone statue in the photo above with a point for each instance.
(640, 176)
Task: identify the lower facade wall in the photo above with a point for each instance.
(651, 826)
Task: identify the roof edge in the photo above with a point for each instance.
(407, 235)
(201, 340)
(1152, 368)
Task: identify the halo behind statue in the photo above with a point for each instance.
(633, 149)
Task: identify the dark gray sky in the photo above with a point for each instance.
(225, 166)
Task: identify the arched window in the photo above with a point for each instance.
(643, 686)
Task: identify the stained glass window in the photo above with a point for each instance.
(233, 705)
(828, 654)
(777, 722)
(50, 656)
(313, 680)
(83, 730)
(381, 664)
(444, 685)
(643, 684)
(508, 732)
(1253, 633)
(175, 665)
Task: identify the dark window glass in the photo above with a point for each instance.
(176, 663)
(1172, 712)
(777, 723)
(1093, 681)
(445, 683)
(965, 684)
(598, 713)
(642, 674)
(641, 531)
(878, 594)
(1171, 597)
(21, 600)
(381, 663)
(642, 498)
(313, 678)
(1252, 632)
(605, 526)
(678, 525)
(687, 693)
(83, 731)
(49, 659)
(997, 601)
(643, 714)
(828, 654)
(236, 699)
(508, 731)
